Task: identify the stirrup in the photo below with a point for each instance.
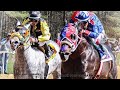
(46, 57)
(106, 59)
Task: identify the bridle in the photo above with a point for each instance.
(23, 40)
(70, 43)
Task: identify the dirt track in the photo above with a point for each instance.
(10, 76)
(6, 76)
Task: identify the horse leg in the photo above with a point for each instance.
(105, 70)
(113, 72)
(57, 72)
(108, 71)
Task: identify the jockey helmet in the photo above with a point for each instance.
(83, 16)
(35, 15)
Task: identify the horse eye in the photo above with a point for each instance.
(73, 36)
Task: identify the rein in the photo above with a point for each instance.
(22, 39)
(79, 41)
(26, 43)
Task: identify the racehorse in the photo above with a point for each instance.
(30, 62)
(81, 60)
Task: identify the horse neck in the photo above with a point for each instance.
(82, 47)
(23, 49)
(84, 57)
(19, 55)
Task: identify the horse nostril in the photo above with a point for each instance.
(21, 43)
(16, 42)
(66, 53)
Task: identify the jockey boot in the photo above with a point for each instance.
(92, 43)
(46, 48)
(101, 46)
(101, 52)
(106, 56)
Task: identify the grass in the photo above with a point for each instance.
(118, 59)
(118, 64)
(9, 69)
(10, 65)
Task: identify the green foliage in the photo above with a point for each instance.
(17, 14)
(56, 19)
(118, 59)
(110, 21)
(10, 64)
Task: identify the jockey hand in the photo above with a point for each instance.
(33, 40)
(81, 31)
(86, 32)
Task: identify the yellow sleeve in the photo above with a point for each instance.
(25, 21)
(45, 32)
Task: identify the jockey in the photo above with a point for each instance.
(39, 31)
(92, 27)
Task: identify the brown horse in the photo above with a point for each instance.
(81, 60)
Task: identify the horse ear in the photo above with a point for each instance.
(27, 26)
(18, 23)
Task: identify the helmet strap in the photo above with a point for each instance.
(86, 25)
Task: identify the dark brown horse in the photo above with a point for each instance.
(81, 60)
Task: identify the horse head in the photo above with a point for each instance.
(69, 41)
(20, 36)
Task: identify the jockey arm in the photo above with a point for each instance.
(44, 29)
(96, 27)
(45, 32)
(93, 34)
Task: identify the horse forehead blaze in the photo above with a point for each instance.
(70, 30)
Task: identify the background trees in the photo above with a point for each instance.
(57, 19)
